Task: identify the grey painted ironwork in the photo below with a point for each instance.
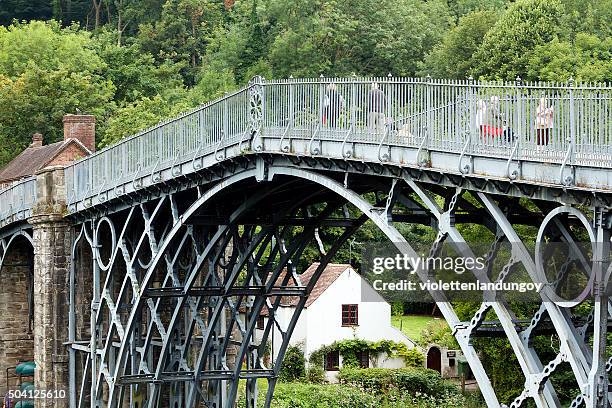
(180, 278)
(16, 201)
(117, 381)
(550, 133)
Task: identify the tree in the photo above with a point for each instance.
(182, 33)
(587, 16)
(45, 72)
(588, 59)
(460, 8)
(24, 10)
(508, 46)
(134, 72)
(364, 36)
(454, 56)
(148, 111)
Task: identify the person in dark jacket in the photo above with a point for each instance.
(334, 105)
(376, 110)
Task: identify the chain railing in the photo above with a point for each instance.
(568, 124)
(17, 200)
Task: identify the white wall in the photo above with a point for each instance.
(324, 316)
(321, 323)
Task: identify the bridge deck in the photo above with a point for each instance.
(546, 134)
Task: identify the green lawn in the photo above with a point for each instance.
(411, 325)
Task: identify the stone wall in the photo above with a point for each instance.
(52, 252)
(16, 338)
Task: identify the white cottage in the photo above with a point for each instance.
(334, 311)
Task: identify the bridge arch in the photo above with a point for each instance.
(222, 245)
(17, 304)
(328, 184)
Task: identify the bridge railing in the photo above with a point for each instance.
(17, 200)
(212, 126)
(544, 121)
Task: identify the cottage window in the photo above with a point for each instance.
(332, 361)
(350, 315)
(260, 323)
(363, 358)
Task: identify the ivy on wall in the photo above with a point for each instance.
(349, 349)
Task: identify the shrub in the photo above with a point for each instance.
(315, 374)
(397, 309)
(438, 332)
(294, 365)
(298, 395)
(414, 381)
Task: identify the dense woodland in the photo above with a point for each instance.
(134, 62)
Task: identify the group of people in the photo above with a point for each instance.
(490, 119)
(492, 123)
(334, 103)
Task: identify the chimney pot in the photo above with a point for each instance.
(82, 128)
(37, 140)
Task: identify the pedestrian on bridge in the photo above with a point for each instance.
(544, 122)
(334, 105)
(376, 110)
(499, 121)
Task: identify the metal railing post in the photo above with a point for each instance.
(572, 122)
(225, 116)
(291, 104)
(519, 117)
(353, 99)
(429, 107)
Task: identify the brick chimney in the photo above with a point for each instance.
(37, 140)
(81, 127)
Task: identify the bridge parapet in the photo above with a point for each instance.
(16, 201)
(536, 132)
(543, 133)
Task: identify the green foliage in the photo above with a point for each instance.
(454, 56)
(181, 34)
(24, 10)
(589, 58)
(301, 395)
(349, 349)
(508, 46)
(328, 36)
(294, 365)
(460, 8)
(587, 16)
(412, 357)
(139, 115)
(298, 395)
(411, 380)
(438, 332)
(315, 374)
(45, 72)
(397, 309)
(148, 111)
(133, 71)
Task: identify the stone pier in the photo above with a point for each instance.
(52, 241)
(16, 328)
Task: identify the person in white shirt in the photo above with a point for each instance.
(544, 122)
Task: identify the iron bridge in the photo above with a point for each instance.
(182, 232)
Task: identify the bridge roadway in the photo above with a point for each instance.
(413, 142)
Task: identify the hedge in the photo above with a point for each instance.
(411, 380)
